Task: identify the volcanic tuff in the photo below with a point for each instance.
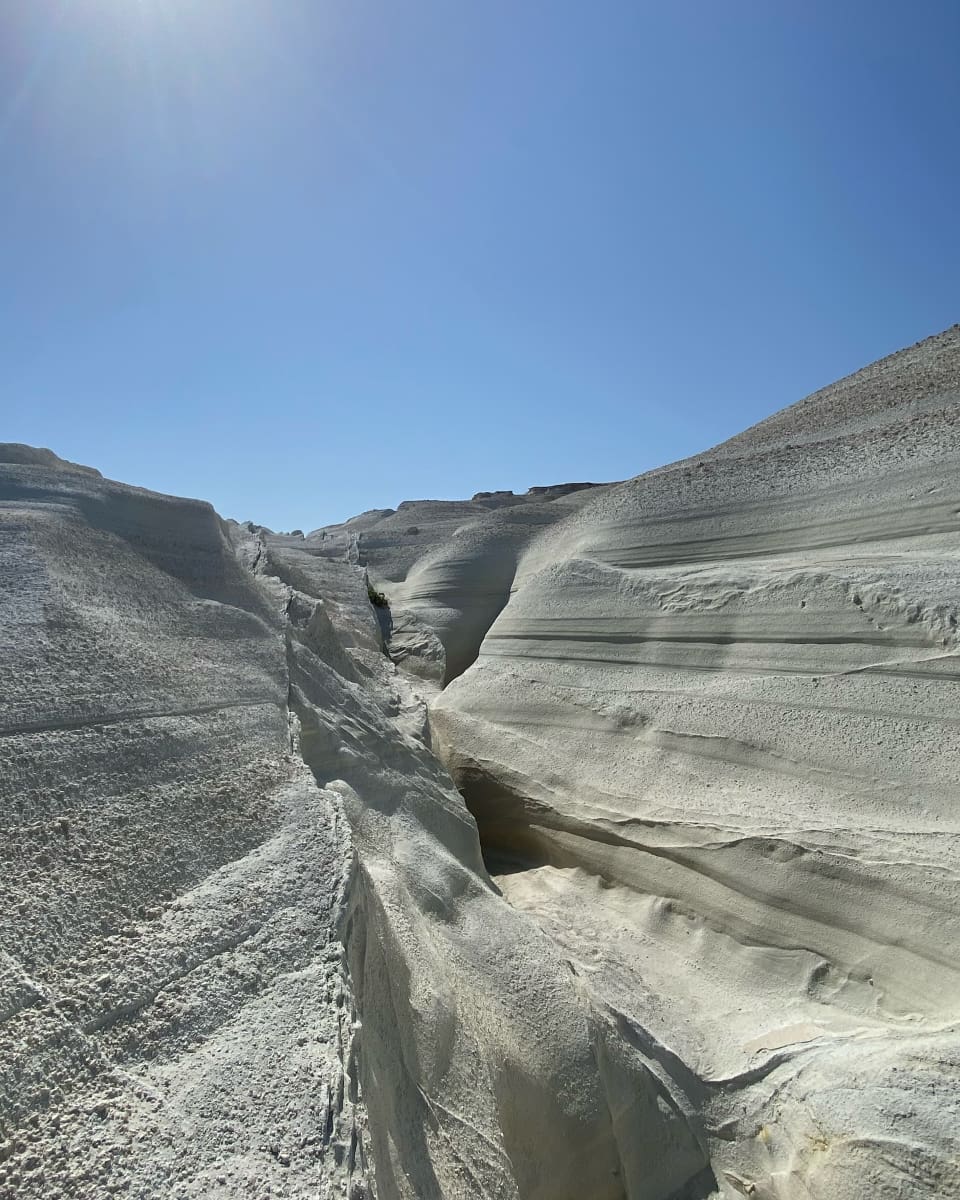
(689, 926)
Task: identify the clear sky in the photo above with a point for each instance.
(308, 257)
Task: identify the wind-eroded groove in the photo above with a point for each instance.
(131, 1008)
(717, 747)
(727, 667)
(711, 639)
(698, 861)
(748, 701)
(135, 714)
(871, 527)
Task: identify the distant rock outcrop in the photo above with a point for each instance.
(16, 454)
(450, 562)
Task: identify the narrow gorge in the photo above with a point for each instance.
(615, 855)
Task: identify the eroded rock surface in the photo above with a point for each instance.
(713, 739)
(175, 1018)
(447, 566)
(484, 1070)
(690, 926)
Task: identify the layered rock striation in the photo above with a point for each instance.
(712, 747)
(615, 857)
(447, 566)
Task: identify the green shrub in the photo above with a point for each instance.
(377, 599)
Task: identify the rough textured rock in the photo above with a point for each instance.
(174, 1013)
(192, 705)
(480, 1059)
(704, 727)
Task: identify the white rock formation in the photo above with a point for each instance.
(174, 1015)
(713, 738)
(706, 724)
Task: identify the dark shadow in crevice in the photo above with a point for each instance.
(505, 862)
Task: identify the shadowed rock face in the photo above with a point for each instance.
(690, 926)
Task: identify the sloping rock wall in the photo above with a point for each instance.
(713, 741)
(484, 1070)
(175, 1018)
(690, 926)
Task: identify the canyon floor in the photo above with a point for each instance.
(596, 842)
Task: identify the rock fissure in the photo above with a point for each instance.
(792, 930)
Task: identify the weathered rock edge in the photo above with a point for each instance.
(706, 722)
(175, 1013)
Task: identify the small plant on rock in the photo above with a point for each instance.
(377, 599)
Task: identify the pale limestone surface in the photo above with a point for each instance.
(175, 1018)
(447, 566)
(706, 722)
(483, 1070)
(192, 708)
(713, 739)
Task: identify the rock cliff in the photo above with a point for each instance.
(175, 1017)
(615, 857)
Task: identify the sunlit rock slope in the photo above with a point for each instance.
(689, 927)
(483, 1069)
(174, 1014)
(212, 773)
(712, 744)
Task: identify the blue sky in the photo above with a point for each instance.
(307, 257)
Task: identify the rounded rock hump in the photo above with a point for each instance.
(19, 454)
